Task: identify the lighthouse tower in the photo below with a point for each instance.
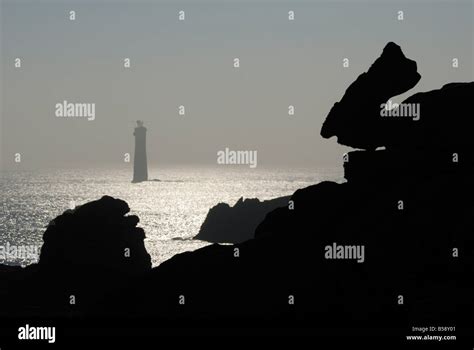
(140, 167)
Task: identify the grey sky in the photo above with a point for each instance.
(190, 63)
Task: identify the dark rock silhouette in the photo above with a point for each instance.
(226, 224)
(442, 126)
(97, 233)
(355, 120)
(140, 166)
(411, 206)
(88, 253)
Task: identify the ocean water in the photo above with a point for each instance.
(171, 211)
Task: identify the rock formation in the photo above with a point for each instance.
(355, 120)
(88, 253)
(226, 224)
(441, 125)
(95, 234)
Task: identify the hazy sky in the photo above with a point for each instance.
(190, 63)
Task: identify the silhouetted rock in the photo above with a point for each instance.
(356, 120)
(442, 124)
(226, 224)
(96, 234)
(433, 120)
(88, 253)
(387, 166)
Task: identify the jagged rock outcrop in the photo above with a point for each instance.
(226, 224)
(443, 124)
(356, 120)
(434, 120)
(96, 234)
(88, 253)
(392, 166)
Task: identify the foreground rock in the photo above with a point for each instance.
(88, 253)
(95, 234)
(434, 120)
(356, 120)
(226, 224)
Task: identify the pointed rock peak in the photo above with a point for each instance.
(355, 120)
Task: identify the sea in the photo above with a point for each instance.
(171, 210)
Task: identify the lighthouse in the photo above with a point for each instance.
(140, 166)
